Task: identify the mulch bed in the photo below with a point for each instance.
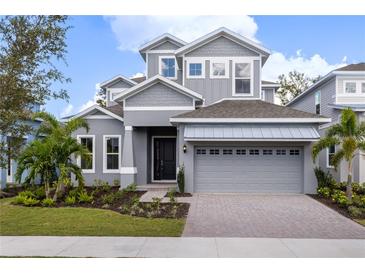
(330, 204)
(11, 192)
(179, 194)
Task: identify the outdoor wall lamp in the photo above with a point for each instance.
(184, 148)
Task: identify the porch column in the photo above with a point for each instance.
(128, 170)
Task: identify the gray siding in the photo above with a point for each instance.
(158, 95)
(165, 46)
(216, 89)
(153, 66)
(118, 86)
(150, 118)
(269, 95)
(222, 47)
(100, 128)
(328, 91)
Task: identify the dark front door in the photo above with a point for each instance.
(164, 159)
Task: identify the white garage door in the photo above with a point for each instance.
(248, 169)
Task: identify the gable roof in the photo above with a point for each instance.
(228, 34)
(115, 79)
(245, 111)
(158, 79)
(353, 69)
(115, 111)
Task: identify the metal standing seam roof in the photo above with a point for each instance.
(241, 132)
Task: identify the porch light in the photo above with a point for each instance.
(184, 148)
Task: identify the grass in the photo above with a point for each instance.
(361, 221)
(37, 221)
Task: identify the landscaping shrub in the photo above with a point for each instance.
(84, 197)
(74, 192)
(340, 198)
(26, 194)
(102, 186)
(358, 200)
(29, 201)
(48, 202)
(358, 188)
(156, 205)
(131, 188)
(356, 212)
(181, 179)
(324, 192)
(116, 182)
(70, 200)
(108, 198)
(19, 200)
(39, 193)
(324, 179)
(171, 195)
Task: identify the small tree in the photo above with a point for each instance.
(181, 179)
(349, 136)
(292, 85)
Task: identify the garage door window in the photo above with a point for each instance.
(227, 151)
(280, 152)
(254, 152)
(241, 151)
(201, 151)
(214, 151)
(294, 152)
(267, 152)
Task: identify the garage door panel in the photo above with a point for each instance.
(248, 173)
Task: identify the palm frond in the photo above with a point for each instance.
(322, 144)
(337, 158)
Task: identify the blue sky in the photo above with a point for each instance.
(102, 47)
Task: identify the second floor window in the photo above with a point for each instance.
(317, 102)
(168, 67)
(242, 78)
(195, 69)
(350, 87)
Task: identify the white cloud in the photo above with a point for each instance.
(138, 74)
(313, 66)
(89, 103)
(67, 110)
(133, 31)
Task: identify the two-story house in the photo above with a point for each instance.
(204, 106)
(339, 89)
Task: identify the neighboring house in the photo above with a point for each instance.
(339, 89)
(7, 175)
(202, 105)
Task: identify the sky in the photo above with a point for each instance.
(100, 47)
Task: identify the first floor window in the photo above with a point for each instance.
(330, 153)
(195, 69)
(168, 67)
(88, 143)
(242, 78)
(112, 152)
(350, 87)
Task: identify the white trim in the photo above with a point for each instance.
(270, 85)
(219, 60)
(207, 38)
(105, 83)
(167, 36)
(10, 178)
(250, 120)
(78, 159)
(160, 67)
(247, 61)
(150, 81)
(172, 51)
(105, 169)
(96, 107)
(195, 60)
(128, 128)
(114, 91)
(128, 170)
(346, 72)
(97, 117)
(153, 157)
(344, 106)
(327, 158)
(248, 140)
(160, 108)
(147, 76)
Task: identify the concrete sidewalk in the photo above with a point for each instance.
(178, 247)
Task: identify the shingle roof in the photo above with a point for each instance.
(246, 109)
(116, 109)
(353, 67)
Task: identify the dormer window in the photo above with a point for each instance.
(350, 87)
(168, 67)
(242, 81)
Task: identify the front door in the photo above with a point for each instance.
(164, 159)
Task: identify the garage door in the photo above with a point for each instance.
(248, 169)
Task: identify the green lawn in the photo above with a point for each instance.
(361, 221)
(26, 221)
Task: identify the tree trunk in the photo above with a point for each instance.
(46, 189)
(349, 182)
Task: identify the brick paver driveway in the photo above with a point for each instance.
(271, 216)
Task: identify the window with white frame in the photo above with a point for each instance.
(112, 148)
(195, 69)
(317, 102)
(168, 67)
(87, 164)
(242, 81)
(350, 87)
(114, 93)
(219, 68)
(330, 153)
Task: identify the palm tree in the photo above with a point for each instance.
(50, 155)
(349, 136)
